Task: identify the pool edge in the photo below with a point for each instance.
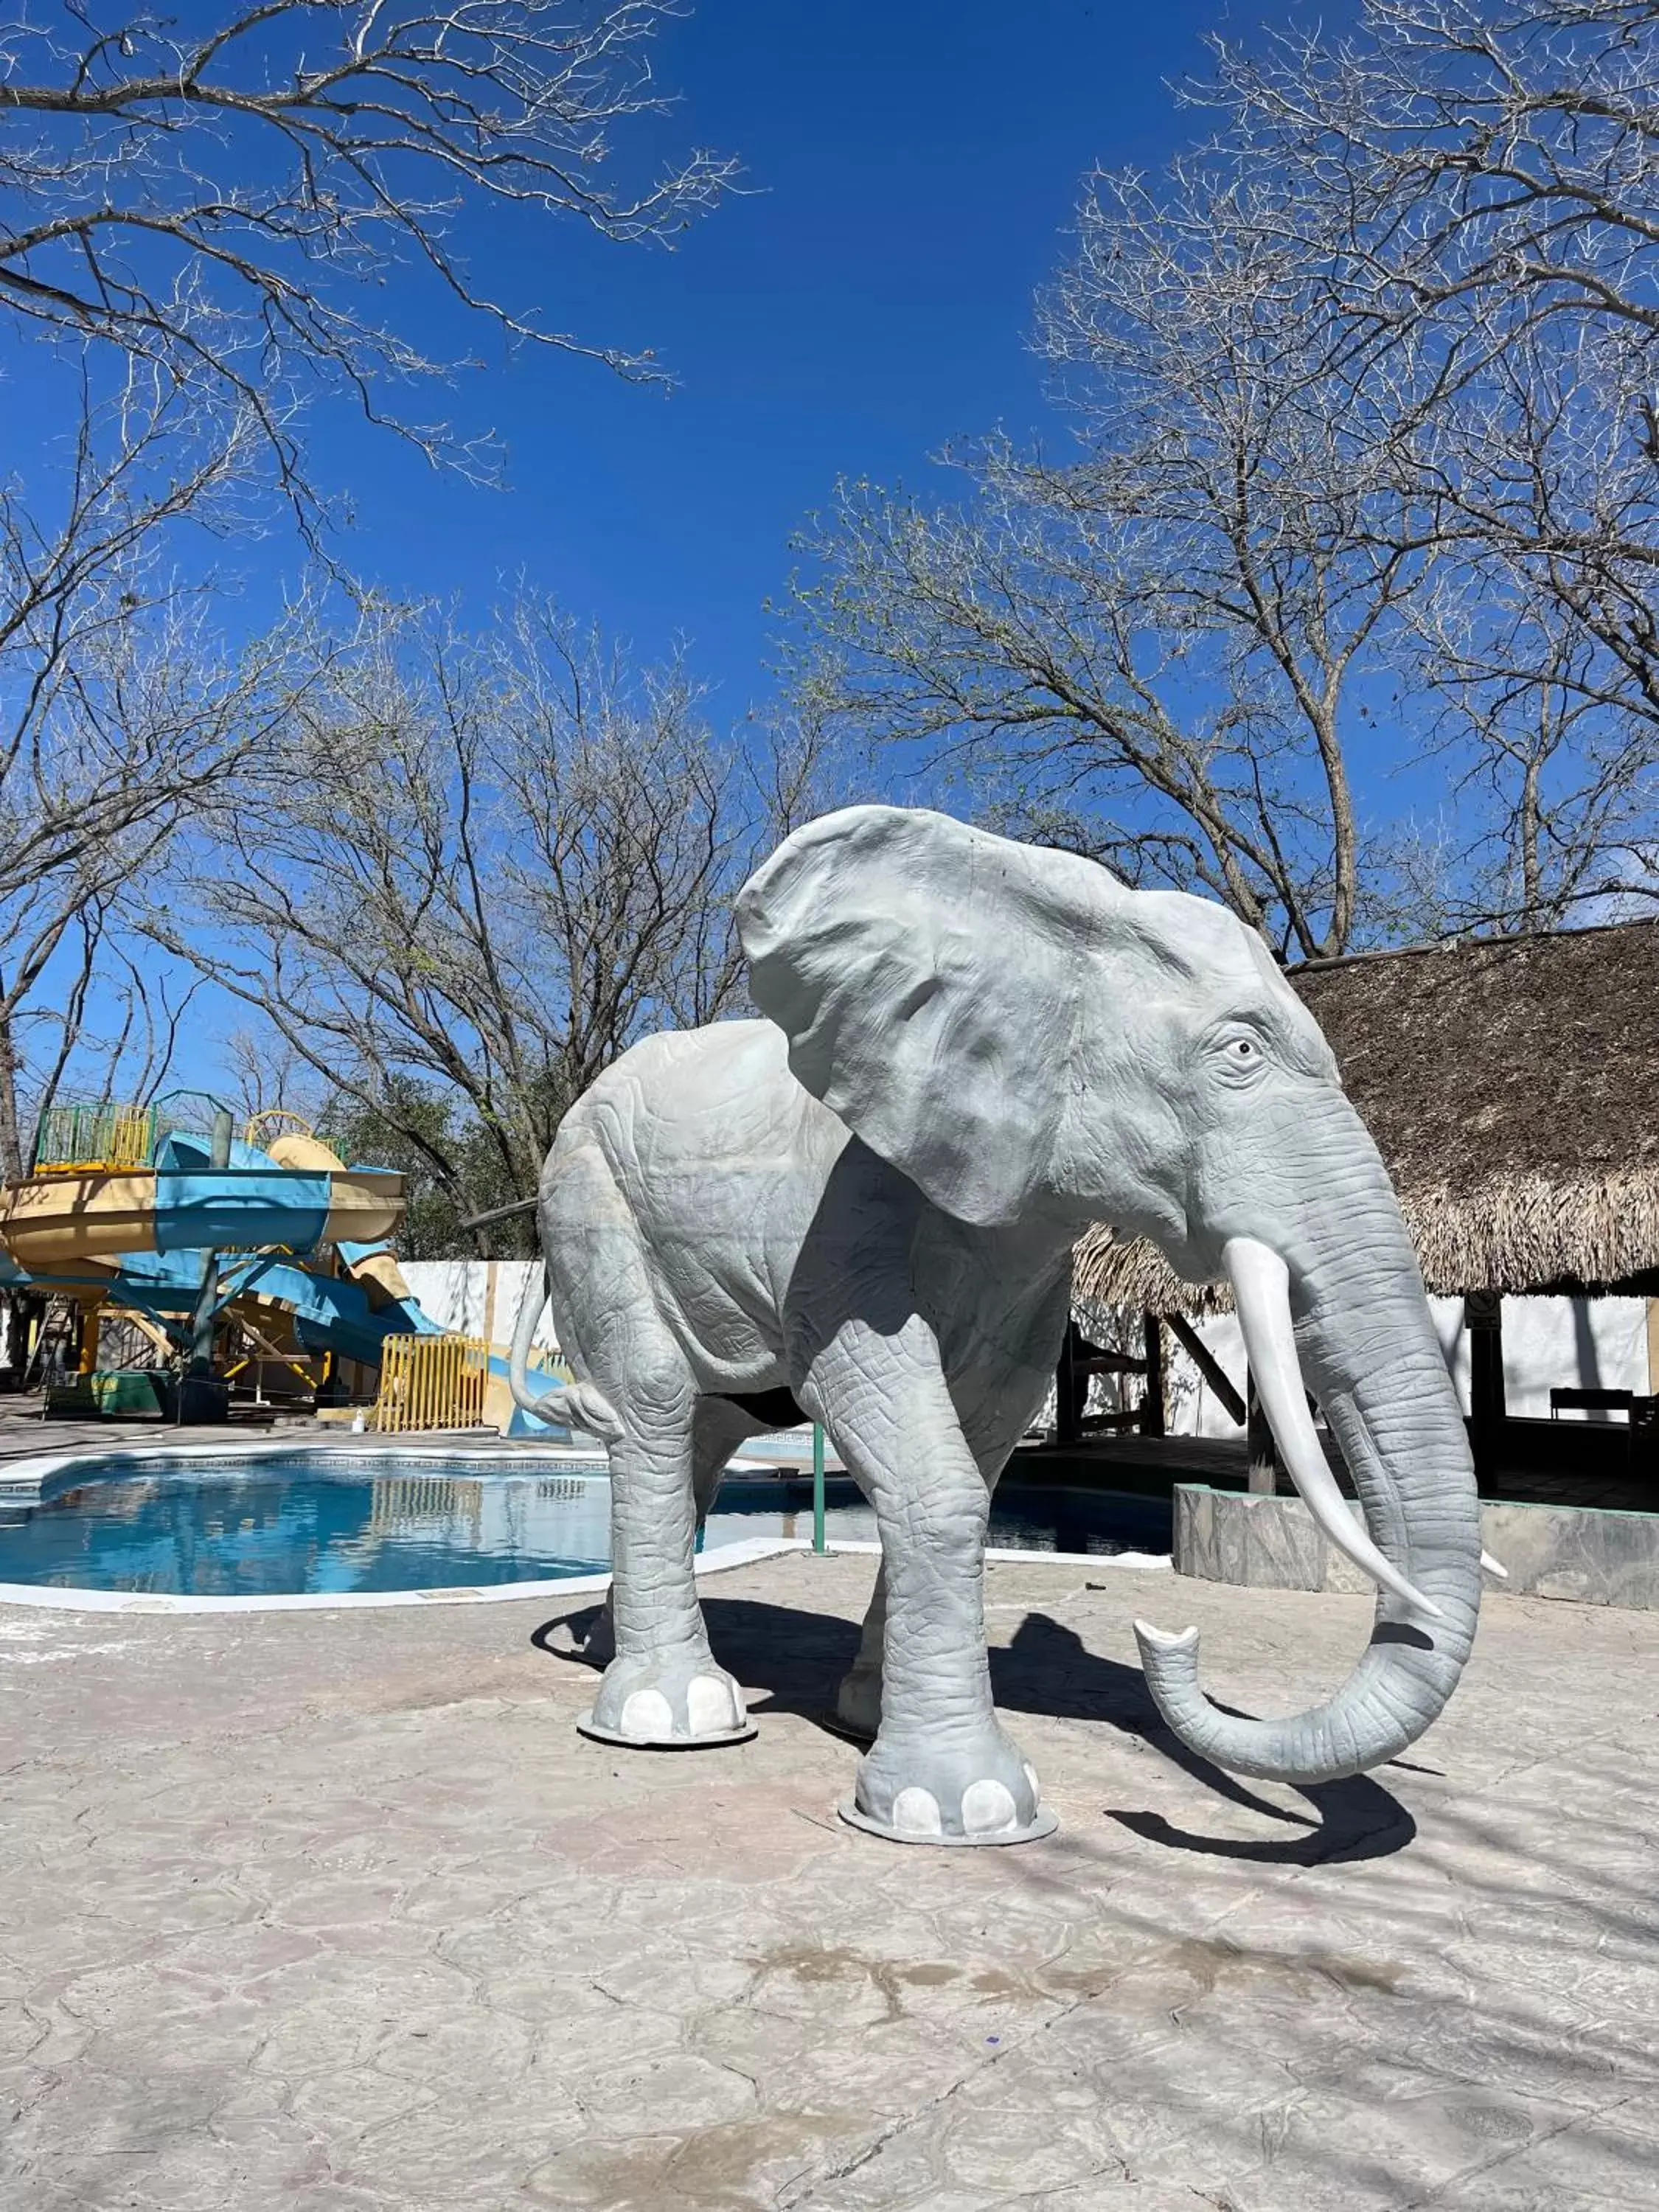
(744, 1552)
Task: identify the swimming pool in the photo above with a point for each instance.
(279, 1522)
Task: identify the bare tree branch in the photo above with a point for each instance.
(122, 722)
(226, 204)
(487, 865)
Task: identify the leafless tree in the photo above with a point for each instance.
(228, 201)
(1160, 637)
(489, 864)
(260, 1073)
(122, 720)
(1367, 477)
(1500, 155)
(1550, 753)
(1475, 185)
(201, 223)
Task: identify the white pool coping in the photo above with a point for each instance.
(24, 1476)
(742, 1553)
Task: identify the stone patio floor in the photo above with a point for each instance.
(335, 1912)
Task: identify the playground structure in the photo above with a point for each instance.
(264, 1268)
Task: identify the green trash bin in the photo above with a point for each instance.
(126, 1394)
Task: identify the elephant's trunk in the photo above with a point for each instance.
(1353, 1297)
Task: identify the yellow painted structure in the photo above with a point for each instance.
(432, 1382)
(95, 1137)
(55, 1221)
(298, 1148)
(256, 1122)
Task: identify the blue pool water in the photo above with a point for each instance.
(277, 1525)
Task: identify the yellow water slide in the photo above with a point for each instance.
(55, 1221)
(376, 1268)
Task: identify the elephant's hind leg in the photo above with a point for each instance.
(661, 1684)
(663, 1687)
(717, 1429)
(858, 1698)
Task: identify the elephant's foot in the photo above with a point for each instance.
(858, 1703)
(673, 1700)
(972, 1790)
(590, 1636)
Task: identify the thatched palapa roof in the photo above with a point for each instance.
(1512, 1086)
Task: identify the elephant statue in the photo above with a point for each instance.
(862, 1210)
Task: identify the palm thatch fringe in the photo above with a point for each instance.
(1513, 1233)
(1106, 1273)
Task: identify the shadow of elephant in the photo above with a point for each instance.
(791, 1658)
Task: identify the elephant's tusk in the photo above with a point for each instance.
(1262, 1290)
(1494, 1566)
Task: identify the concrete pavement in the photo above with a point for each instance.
(335, 1912)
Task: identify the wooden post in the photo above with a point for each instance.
(1207, 1366)
(1483, 1317)
(1153, 1423)
(1258, 1445)
(1068, 1407)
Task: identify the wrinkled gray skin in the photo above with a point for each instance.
(975, 1050)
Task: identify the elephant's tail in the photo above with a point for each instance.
(567, 1404)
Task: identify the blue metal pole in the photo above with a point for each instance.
(818, 1487)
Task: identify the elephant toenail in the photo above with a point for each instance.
(711, 1704)
(647, 1713)
(916, 1813)
(987, 1806)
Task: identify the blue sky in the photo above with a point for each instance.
(910, 169)
(910, 172)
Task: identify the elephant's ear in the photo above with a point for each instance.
(927, 976)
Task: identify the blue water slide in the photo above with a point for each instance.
(331, 1312)
(250, 1202)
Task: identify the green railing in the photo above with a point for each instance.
(819, 1544)
(90, 1137)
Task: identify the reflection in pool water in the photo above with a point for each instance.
(278, 1524)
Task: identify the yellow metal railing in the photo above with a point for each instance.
(94, 1138)
(253, 1129)
(432, 1382)
(401, 1505)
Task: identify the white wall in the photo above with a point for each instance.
(1596, 1344)
(1582, 1344)
(457, 1293)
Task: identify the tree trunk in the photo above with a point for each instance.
(11, 1144)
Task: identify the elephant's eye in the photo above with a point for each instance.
(1240, 1053)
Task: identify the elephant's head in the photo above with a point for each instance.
(1023, 1036)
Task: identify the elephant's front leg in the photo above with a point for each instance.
(995, 1402)
(858, 1700)
(940, 1769)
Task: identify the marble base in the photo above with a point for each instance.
(1580, 1553)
